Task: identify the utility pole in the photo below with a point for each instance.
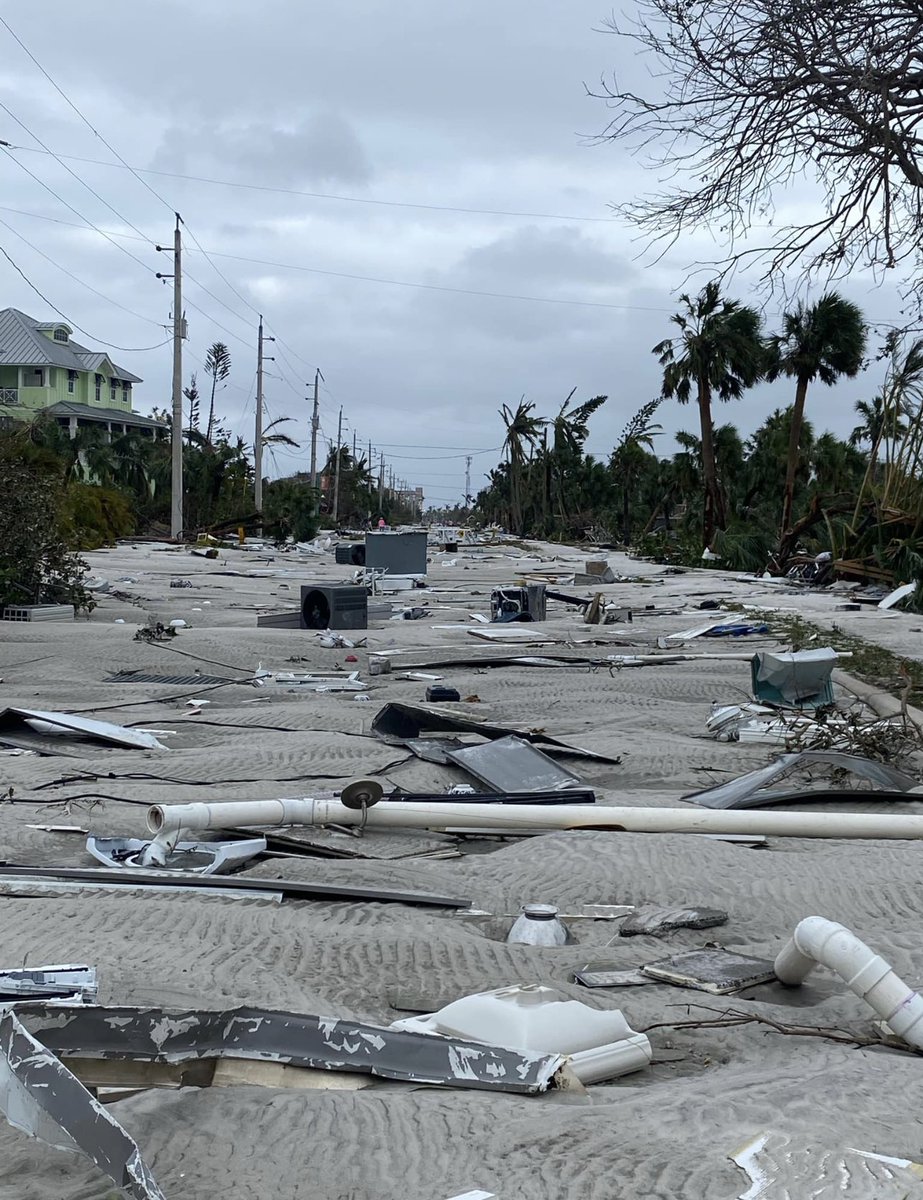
(315, 425)
(176, 429)
(354, 446)
(468, 482)
(258, 435)
(336, 473)
(381, 483)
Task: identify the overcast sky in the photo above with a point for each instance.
(465, 106)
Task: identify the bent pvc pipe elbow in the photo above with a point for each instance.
(818, 941)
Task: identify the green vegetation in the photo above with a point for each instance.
(757, 503)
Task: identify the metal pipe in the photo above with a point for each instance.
(410, 815)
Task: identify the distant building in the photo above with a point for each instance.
(411, 498)
(43, 370)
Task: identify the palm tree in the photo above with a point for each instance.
(825, 342)
(630, 456)
(522, 430)
(218, 366)
(571, 430)
(719, 351)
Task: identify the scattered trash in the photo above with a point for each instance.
(128, 676)
(748, 791)
(320, 681)
(817, 941)
(178, 623)
(531, 1018)
(799, 679)
(30, 727)
(603, 976)
(180, 583)
(770, 1158)
(713, 970)
(511, 764)
(204, 858)
(415, 614)
(154, 631)
(401, 721)
(899, 593)
(77, 984)
(42, 1098)
(148, 1037)
(538, 925)
(441, 695)
(294, 889)
(654, 921)
(735, 629)
(518, 604)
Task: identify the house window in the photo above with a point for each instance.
(33, 378)
(71, 382)
(60, 335)
(126, 392)
(99, 389)
(113, 385)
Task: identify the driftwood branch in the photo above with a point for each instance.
(729, 1018)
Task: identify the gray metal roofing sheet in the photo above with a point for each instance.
(67, 408)
(22, 344)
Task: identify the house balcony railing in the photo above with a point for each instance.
(9, 395)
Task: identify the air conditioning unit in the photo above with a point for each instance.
(518, 603)
(334, 606)
(396, 553)
(350, 554)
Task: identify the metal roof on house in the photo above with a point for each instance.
(67, 408)
(22, 344)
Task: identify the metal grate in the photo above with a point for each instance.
(38, 612)
(173, 680)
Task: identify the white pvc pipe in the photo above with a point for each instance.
(511, 817)
(817, 940)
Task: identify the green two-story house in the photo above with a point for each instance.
(43, 370)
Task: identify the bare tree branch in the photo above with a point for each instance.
(749, 97)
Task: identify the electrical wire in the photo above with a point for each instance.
(87, 223)
(67, 99)
(73, 324)
(260, 187)
(77, 279)
(430, 287)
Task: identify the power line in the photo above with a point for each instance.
(74, 175)
(67, 99)
(77, 279)
(73, 324)
(435, 458)
(881, 322)
(112, 150)
(110, 237)
(411, 446)
(282, 191)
